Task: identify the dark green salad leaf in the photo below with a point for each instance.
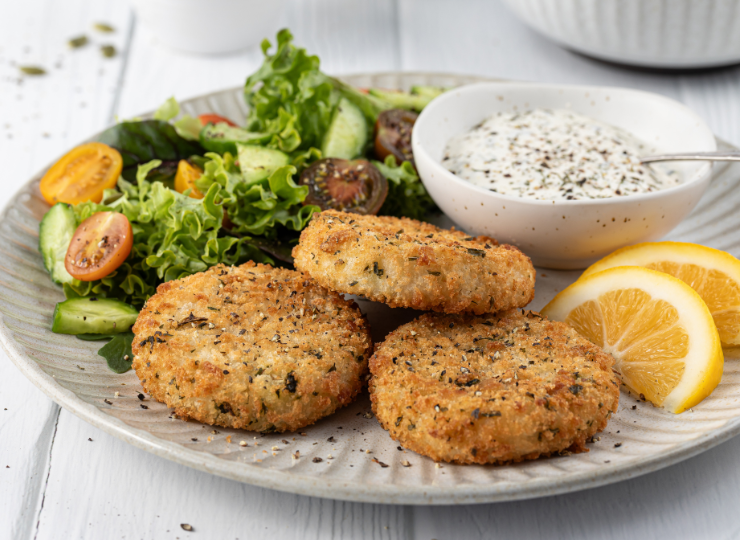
(279, 248)
(95, 337)
(117, 352)
(142, 141)
(407, 196)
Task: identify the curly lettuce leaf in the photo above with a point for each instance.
(290, 98)
(186, 126)
(174, 236)
(302, 160)
(407, 196)
(257, 209)
(167, 110)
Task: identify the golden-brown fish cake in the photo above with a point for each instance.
(407, 263)
(252, 347)
(491, 389)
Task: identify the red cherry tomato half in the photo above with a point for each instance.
(350, 186)
(393, 134)
(99, 246)
(206, 119)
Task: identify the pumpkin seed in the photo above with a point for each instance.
(109, 51)
(32, 70)
(103, 27)
(76, 43)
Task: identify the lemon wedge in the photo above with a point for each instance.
(657, 328)
(712, 273)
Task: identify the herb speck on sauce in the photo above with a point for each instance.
(553, 154)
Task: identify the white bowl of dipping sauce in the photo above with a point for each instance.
(564, 233)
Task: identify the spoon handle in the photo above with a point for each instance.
(694, 156)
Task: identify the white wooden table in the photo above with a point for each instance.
(61, 478)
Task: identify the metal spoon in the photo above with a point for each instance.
(693, 156)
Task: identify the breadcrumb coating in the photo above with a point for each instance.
(491, 389)
(407, 263)
(252, 347)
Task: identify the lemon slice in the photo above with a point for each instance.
(712, 273)
(657, 328)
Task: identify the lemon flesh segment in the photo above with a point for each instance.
(713, 274)
(657, 328)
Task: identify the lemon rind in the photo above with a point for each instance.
(704, 360)
(675, 252)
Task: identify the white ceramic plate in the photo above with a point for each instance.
(69, 371)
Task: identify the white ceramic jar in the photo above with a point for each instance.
(210, 26)
(653, 33)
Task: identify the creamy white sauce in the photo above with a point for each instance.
(553, 155)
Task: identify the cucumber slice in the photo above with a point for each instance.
(258, 162)
(402, 100)
(93, 316)
(347, 134)
(222, 137)
(429, 91)
(56, 230)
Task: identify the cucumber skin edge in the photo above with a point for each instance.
(42, 250)
(60, 326)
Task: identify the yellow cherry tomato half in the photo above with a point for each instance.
(82, 174)
(99, 246)
(185, 179)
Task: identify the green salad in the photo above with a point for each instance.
(158, 199)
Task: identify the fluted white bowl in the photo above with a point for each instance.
(654, 33)
(564, 234)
